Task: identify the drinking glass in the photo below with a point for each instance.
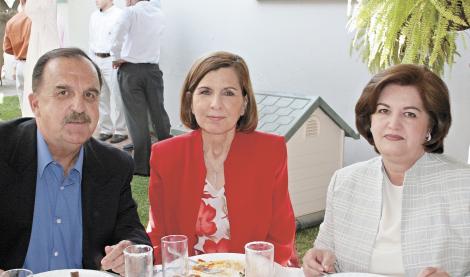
(259, 259)
(18, 272)
(175, 255)
(138, 261)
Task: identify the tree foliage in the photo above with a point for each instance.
(390, 32)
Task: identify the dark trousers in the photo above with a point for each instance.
(142, 95)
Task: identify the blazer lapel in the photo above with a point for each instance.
(190, 196)
(92, 190)
(238, 192)
(23, 162)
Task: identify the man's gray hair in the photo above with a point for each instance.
(55, 54)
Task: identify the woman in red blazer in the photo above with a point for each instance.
(223, 184)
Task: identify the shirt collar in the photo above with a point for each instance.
(140, 3)
(108, 10)
(45, 157)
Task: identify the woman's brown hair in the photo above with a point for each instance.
(214, 61)
(432, 90)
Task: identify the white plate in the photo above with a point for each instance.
(356, 274)
(81, 273)
(280, 271)
(220, 256)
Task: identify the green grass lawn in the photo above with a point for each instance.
(9, 109)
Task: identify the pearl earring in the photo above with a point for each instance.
(428, 137)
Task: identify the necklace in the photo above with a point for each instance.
(215, 152)
(216, 165)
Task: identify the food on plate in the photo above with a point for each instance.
(74, 274)
(221, 268)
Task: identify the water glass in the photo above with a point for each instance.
(175, 256)
(259, 259)
(18, 272)
(138, 261)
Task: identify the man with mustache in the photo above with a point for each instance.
(65, 198)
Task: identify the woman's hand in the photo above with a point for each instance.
(433, 272)
(317, 261)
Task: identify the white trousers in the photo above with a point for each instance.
(19, 76)
(112, 120)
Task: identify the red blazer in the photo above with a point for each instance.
(259, 206)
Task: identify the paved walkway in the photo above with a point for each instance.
(8, 88)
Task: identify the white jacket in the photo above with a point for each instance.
(435, 222)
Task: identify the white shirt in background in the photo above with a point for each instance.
(138, 38)
(386, 256)
(103, 27)
(157, 3)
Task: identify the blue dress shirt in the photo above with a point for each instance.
(56, 236)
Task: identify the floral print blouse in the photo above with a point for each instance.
(212, 225)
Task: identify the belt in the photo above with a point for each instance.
(103, 55)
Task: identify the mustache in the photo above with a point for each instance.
(75, 117)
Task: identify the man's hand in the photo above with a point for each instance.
(433, 272)
(114, 258)
(118, 63)
(317, 261)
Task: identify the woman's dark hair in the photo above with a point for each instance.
(432, 90)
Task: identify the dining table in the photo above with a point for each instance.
(280, 271)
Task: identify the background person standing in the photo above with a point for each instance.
(15, 42)
(137, 52)
(103, 24)
(44, 37)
